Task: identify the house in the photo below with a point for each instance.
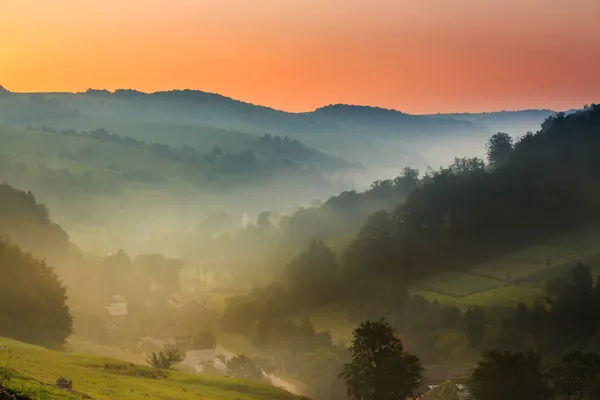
(169, 335)
(117, 306)
(435, 392)
(197, 359)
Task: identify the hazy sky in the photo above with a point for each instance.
(414, 55)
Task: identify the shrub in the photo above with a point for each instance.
(165, 359)
(64, 383)
(9, 394)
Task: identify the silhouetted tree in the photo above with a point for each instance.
(499, 149)
(33, 305)
(379, 368)
(241, 366)
(474, 325)
(504, 375)
(314, 276)
(576, 376)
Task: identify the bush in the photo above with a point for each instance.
(64, 383)
(9, 394)
(165, 359)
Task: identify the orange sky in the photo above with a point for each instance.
(417, 56)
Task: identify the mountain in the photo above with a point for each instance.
(211, 106)
(376, 137)
(383, 140)
(3, 91)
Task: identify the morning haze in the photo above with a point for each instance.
(279, 200)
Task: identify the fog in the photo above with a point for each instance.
(280, 231)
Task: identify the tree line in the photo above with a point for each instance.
(264, 155)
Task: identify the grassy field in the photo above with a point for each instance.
(459, 284)
(35, 370)
(60, 151)
(505, 281)
(514, 277)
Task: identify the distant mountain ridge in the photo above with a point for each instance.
(338, 109)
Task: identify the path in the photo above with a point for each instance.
(275, 380)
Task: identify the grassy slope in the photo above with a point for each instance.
(516, 277)
(37, 369)
(34, 147)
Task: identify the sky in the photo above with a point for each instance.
(418, 56)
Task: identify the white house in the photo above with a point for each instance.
(117, 307)
(196, 358)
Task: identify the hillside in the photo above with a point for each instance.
(369, 135)
(504, 281)
(518, 276)
(383, 140)
(35, 370)
(91, 179)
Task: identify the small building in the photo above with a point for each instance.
(197, 359)
(117, 306)
(170, 335)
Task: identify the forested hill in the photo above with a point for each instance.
(324, 118)
(380, 139)
(213, 111)
(547, 183)
(27, 223)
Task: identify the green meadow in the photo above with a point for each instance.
(34, 371)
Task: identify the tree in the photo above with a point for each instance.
(467, 166)
(33, 305)
(241, 366)
(505, 375)
(208, 368)
(577, 376)
(379, 368)
(321, 373)
(166, 359)
(499, 148)
(474, 325)
(263, 220)
(573, 302)
(314, 275)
